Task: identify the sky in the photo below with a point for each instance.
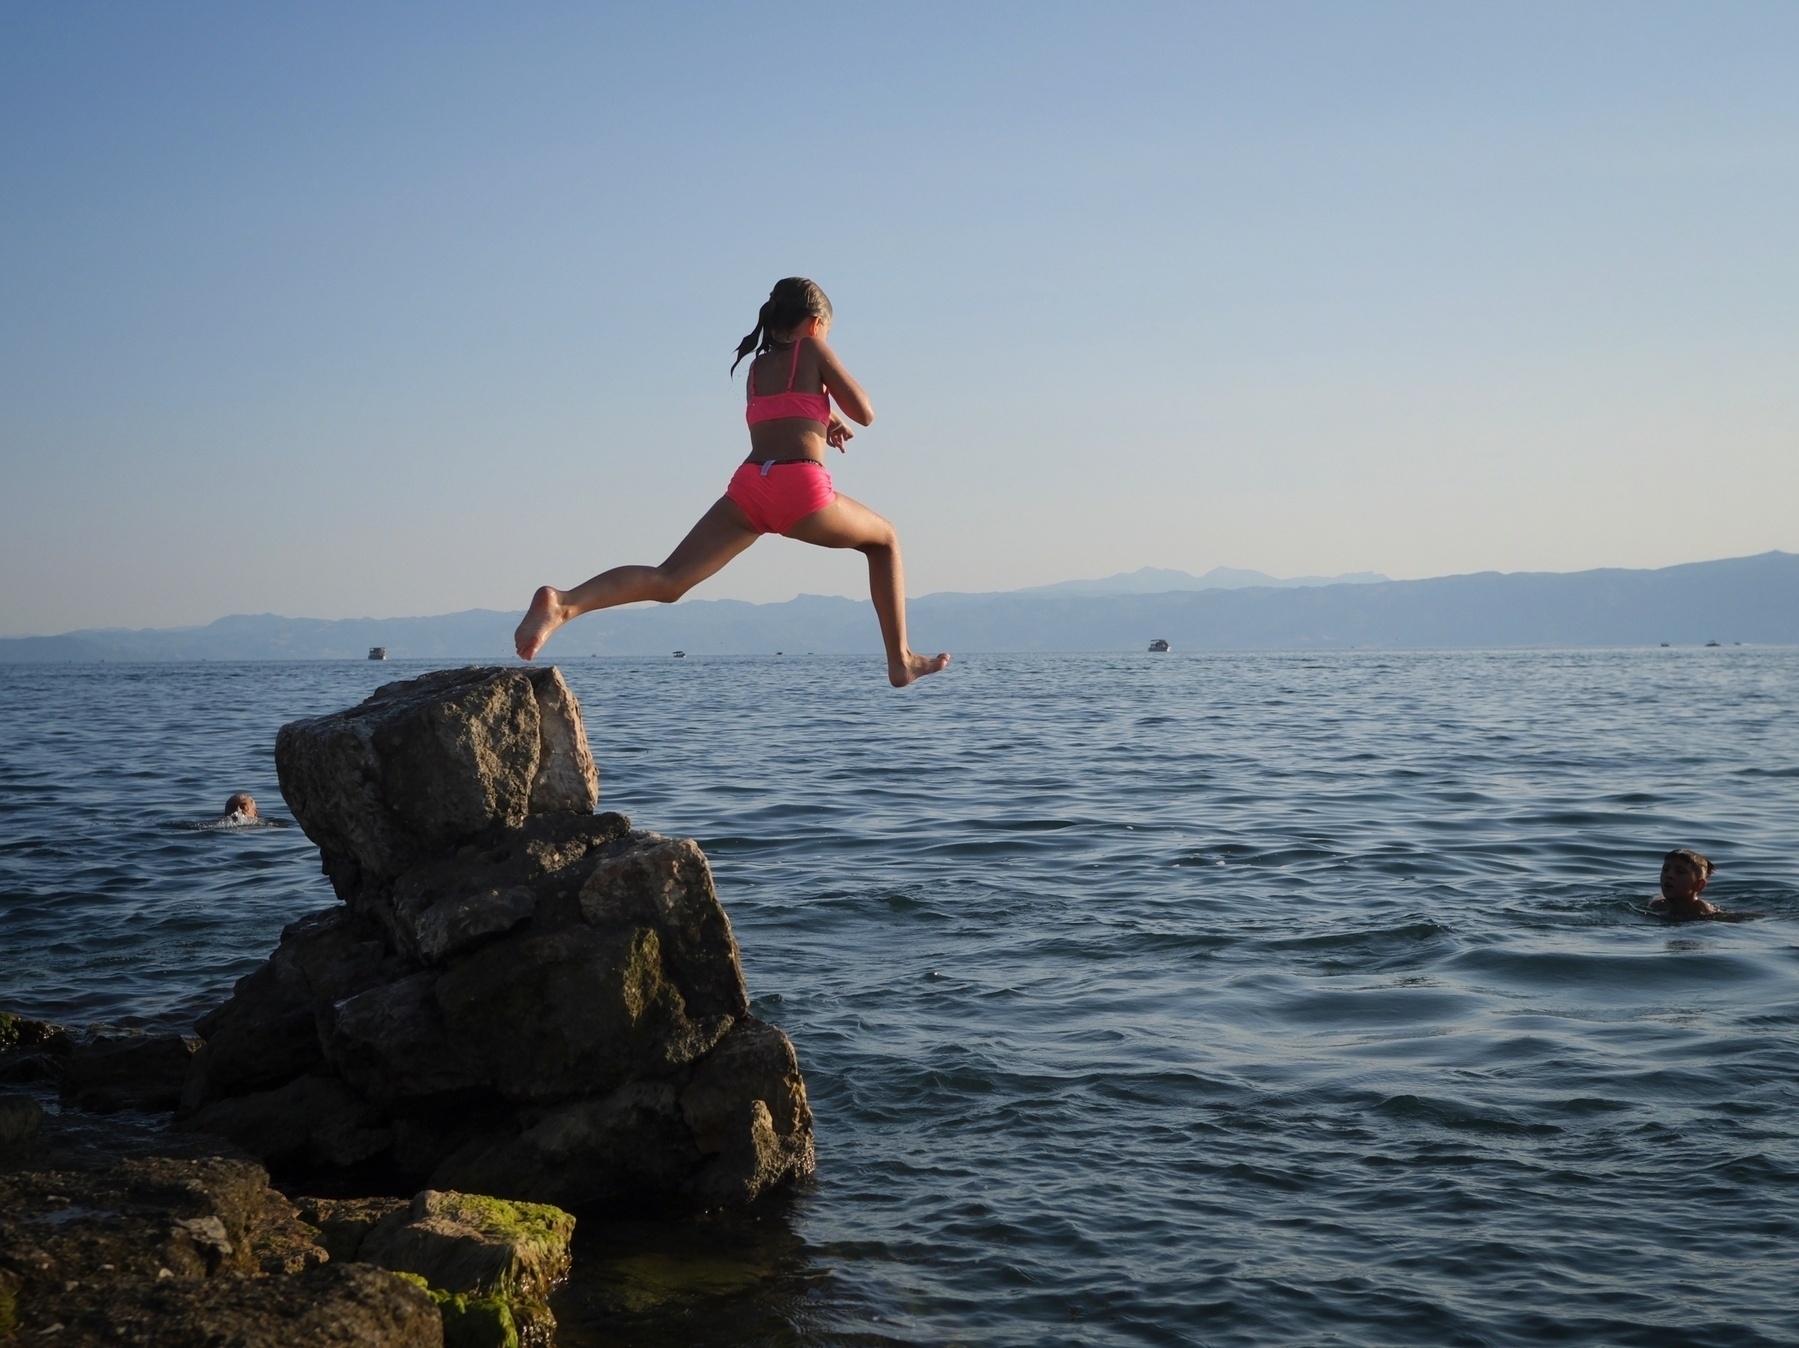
(340, 310)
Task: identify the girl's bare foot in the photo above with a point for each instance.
(544, 616)
(915, 667)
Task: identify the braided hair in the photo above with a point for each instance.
(793, 300)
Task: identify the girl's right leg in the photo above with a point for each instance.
(850, 524)
(721, 534)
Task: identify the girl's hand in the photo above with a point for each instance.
(838, 433)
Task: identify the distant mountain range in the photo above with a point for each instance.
(1745, 599)
(1160, 580)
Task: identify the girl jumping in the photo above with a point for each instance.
(782, 488)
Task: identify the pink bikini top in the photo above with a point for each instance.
(768, 406)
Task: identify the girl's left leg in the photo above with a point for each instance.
(850, 524)
(721, 534)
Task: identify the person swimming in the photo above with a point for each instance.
(240, 809)
(782, 488)
(1685, 874)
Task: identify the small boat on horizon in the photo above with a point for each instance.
(680, 655)
(377, 652)
(1160, 646)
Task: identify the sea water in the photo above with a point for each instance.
(1233, 999)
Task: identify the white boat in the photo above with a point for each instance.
(1160, 646)
(377, 652)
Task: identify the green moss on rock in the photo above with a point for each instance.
(541, 1232)
(470, 1321)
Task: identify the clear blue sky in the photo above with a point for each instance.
(354, 309)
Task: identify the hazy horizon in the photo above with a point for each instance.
(340, 311)
(1116, 586)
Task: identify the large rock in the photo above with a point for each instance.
(425, 765)
(519, 996)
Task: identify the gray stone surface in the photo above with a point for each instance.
(746, 1108)
(628, 1149)
(567, 781)
(391, 1044)
(425, 765)
(451, 905)
(182, 1252)
(461, 922)
(267, 1033)
(334, 1306)
(568, 1012)
(310, 1123)
(665, 885)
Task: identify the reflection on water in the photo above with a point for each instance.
(1141, 1000)
(724, 1280)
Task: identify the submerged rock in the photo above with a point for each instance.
(32, 1050)
(128, 1069)
(516, 996)
(20, 1116)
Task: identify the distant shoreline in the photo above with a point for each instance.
(1751, 601)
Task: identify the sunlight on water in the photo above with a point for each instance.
(1142, 999)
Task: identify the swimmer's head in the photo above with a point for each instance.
(793, 300)
(242, 803)
(1685, 873)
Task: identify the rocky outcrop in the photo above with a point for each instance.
(164, 1251)
(200, 1250)
(516, 996)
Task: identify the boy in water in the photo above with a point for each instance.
(1685, 875)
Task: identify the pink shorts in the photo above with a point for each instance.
(775, 496)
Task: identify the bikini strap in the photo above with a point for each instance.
(793, 371)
